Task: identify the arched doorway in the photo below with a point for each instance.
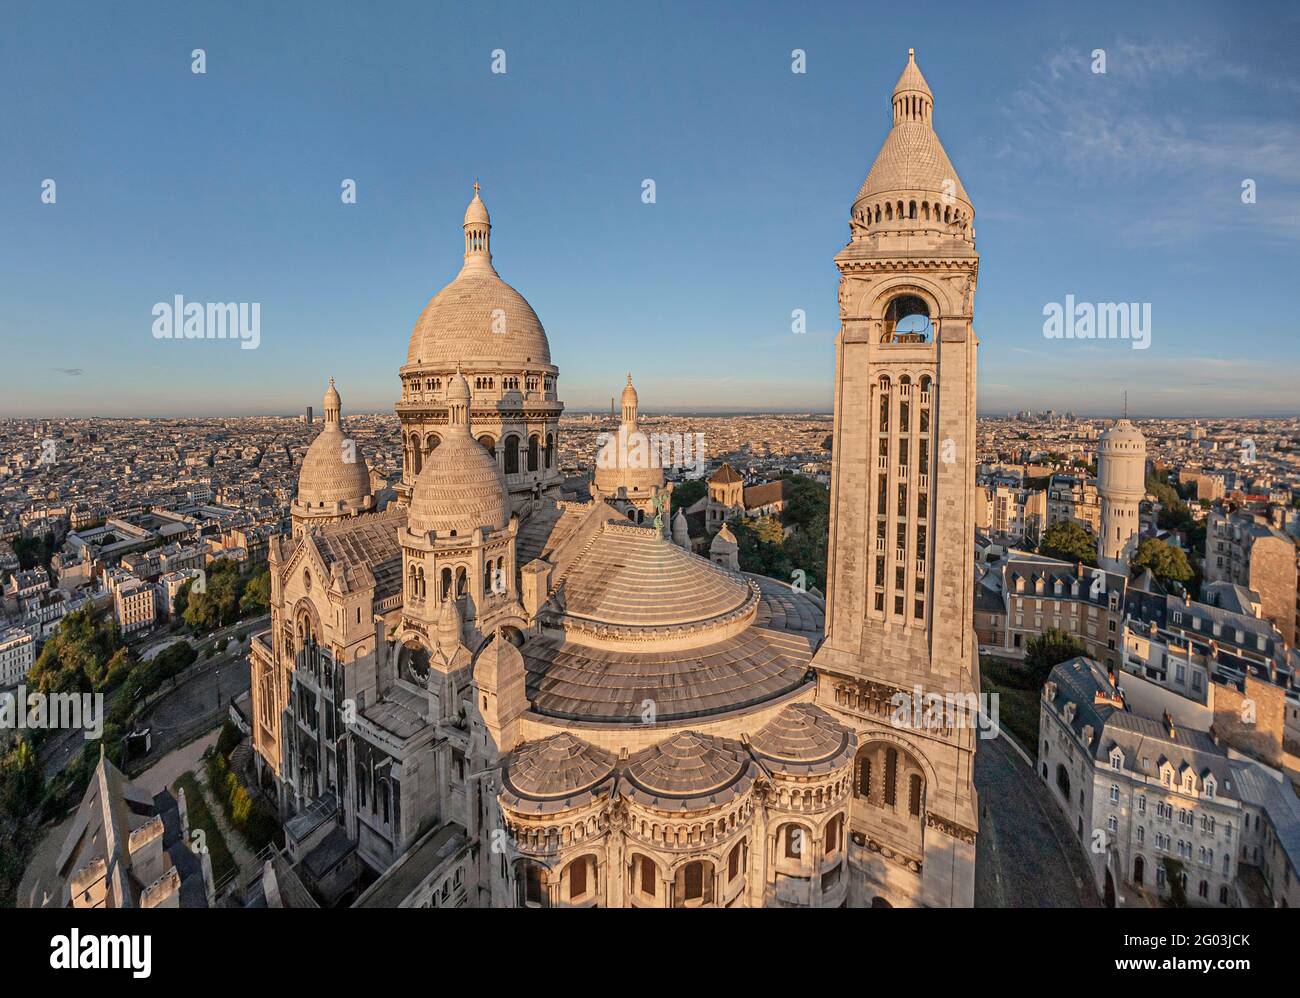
(1139, 870)
(1109, 894)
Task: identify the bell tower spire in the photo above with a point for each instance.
(899, 603)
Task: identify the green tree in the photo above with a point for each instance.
(1048, 650)
(1068, 541)
(806, 500)
(20, 780)
(256, 599)
(77, 656)
(759, 549)
(1166, 562)
(687, 493)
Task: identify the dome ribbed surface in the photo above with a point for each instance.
(630, 575)
(456, 327)
(325, 477)
(559, 766)
(459, 488)
(912, 159)
(803, 734)
(689, 764)
(631, 467)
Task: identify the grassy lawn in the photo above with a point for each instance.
(1018, 703)
(223, 864)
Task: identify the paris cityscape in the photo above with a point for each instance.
(678, 519)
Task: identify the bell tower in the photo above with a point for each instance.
(899, 574)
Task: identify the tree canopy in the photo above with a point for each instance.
(1048, 650)
(1068, 541)
(1165, 561)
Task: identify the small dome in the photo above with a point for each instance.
(629, 393)
(477, 213)
(724, 540)
(559, 766)
(460, 487)
(1122, 431)
(691, 765)
(458, 388)
(333, 469)
(804, 737)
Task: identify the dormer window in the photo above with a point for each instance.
(1117, 759)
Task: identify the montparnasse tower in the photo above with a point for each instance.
(899, 600)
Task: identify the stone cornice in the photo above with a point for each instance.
(957, 831)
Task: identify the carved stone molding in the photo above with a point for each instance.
(957, 831)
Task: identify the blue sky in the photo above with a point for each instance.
(225, 187)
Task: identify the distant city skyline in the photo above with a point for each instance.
(1123, 186)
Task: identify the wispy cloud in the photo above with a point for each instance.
(1140, 125)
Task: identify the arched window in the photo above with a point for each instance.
(864, 776)
(511, 444)
(531, 881)
(444, 590)
(693, 884)
(1063, 780)
(644, 875)
(550, 449)
(489, 444)
(533, 444)
(794, 840)
(834, 831)
(462, 581)
(914, 795)
(907, 320)
(891, 777)
(580, 878)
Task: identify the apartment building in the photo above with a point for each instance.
(1246, 549)
(1041, 593)
(17, 653)
(1155, 804)
(1072, 499)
